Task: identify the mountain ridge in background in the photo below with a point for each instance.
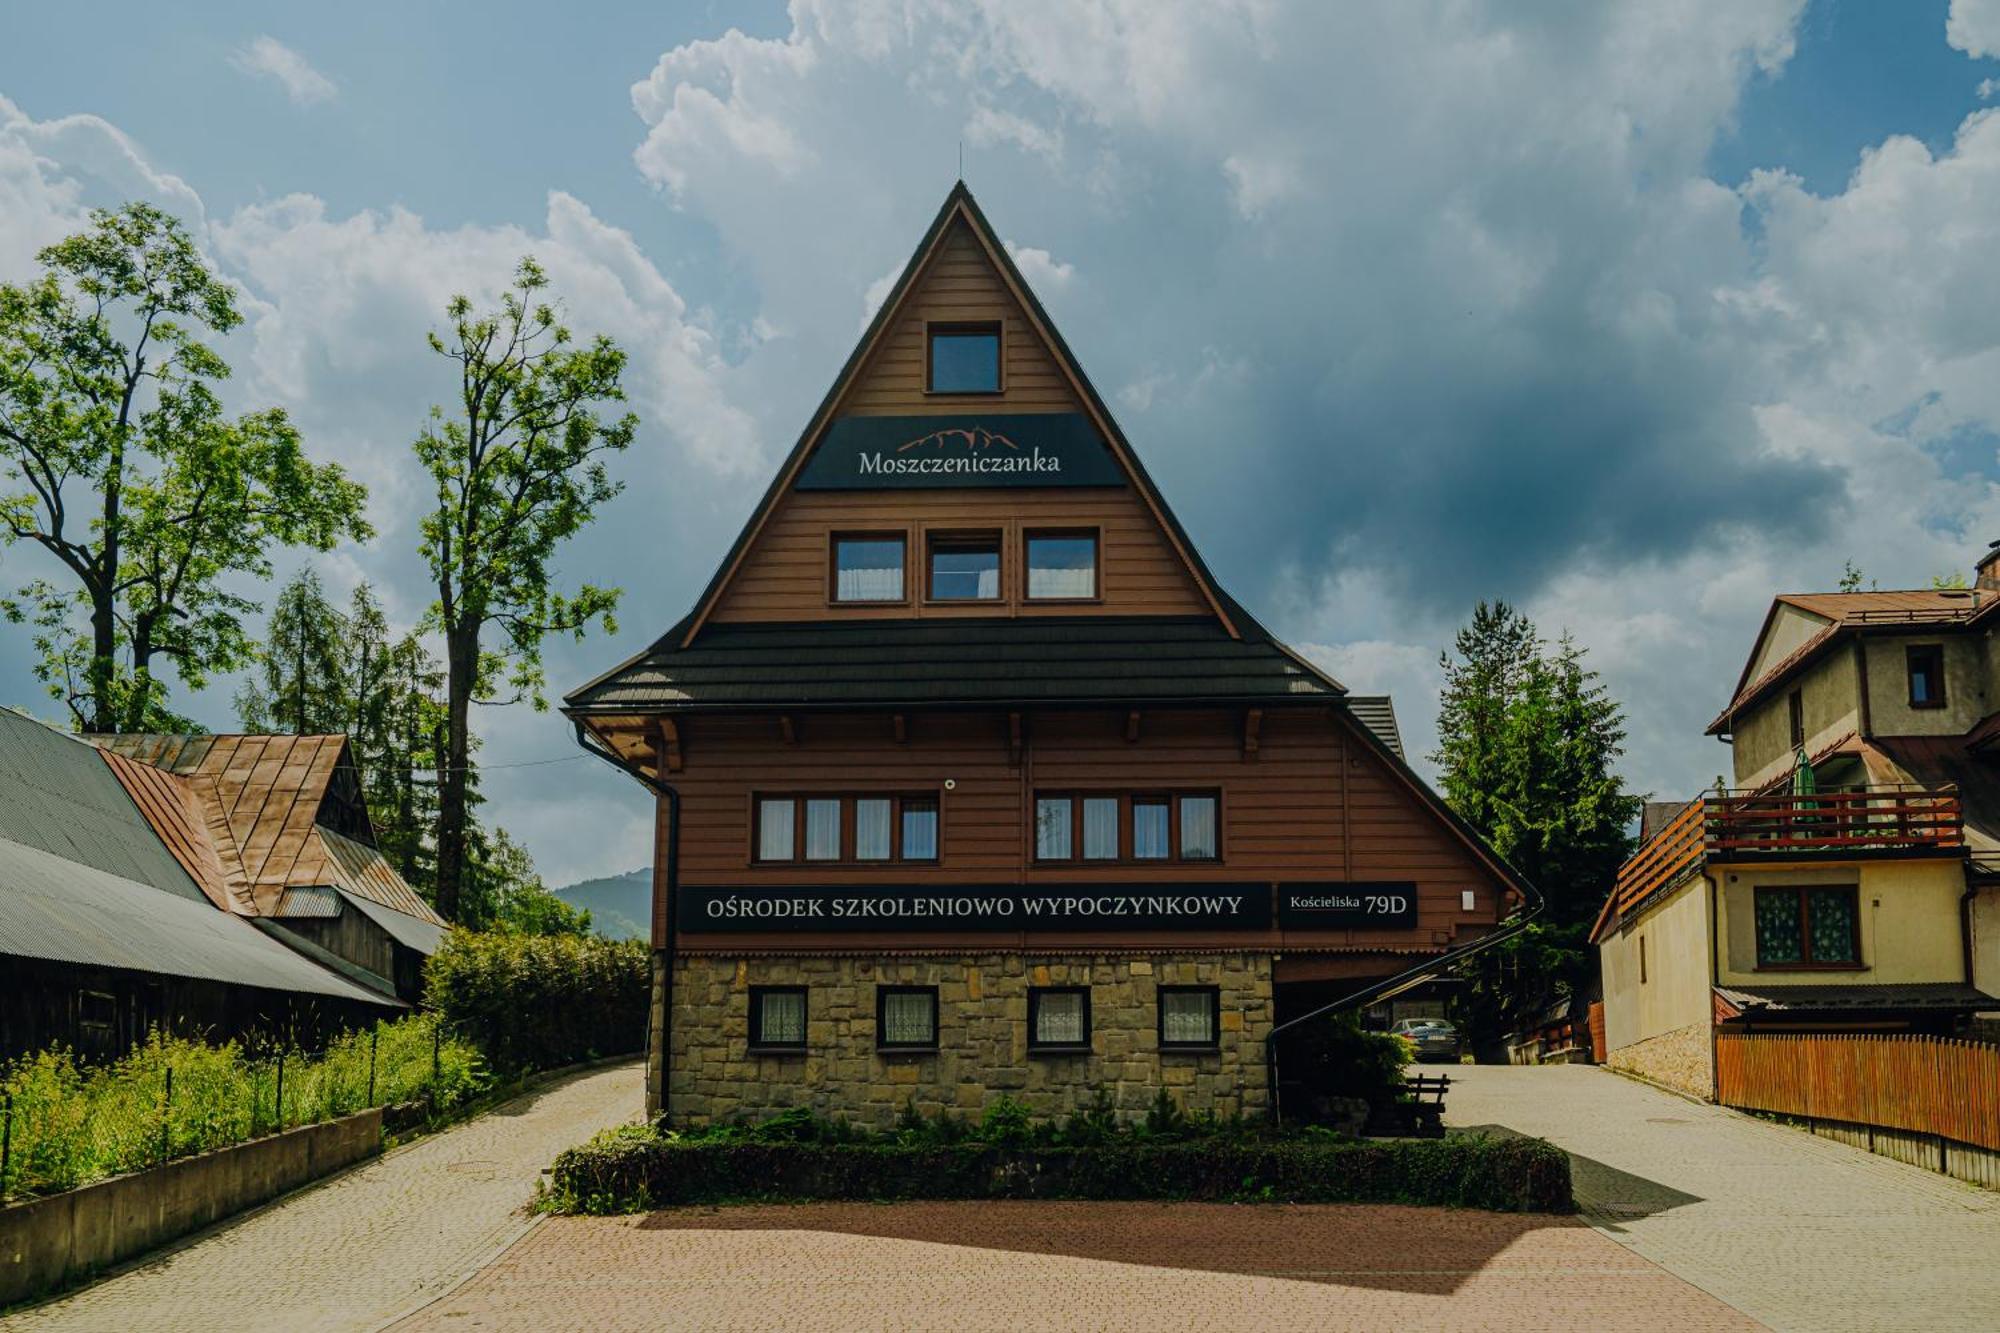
(619, 905)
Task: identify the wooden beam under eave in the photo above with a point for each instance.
(671, 757)
(1132, 725)
(1253, 725)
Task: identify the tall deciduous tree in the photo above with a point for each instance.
(126, 470)
(518, 466)
(1528, 742)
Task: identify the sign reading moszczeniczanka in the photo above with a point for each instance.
(1067, 907)
(1003, 449)
(1339, 905)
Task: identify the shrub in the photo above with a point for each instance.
(541, 1001)
(1339, 1058)
(629, 1171)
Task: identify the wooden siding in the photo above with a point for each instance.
(1927, 1084)
(1315, 803)
(959, 285)
(784, 576)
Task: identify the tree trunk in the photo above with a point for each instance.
(461, 675)
(103, 662)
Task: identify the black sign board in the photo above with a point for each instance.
(956, 907)
(930, 452)
(1340, 905)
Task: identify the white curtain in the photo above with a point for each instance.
(1062, 567)
(871, 829)
(908, 1018)
(1059, 1019)
(1052, 841)
(920, 825)
(869, 572)
(774, 830)
(1198, 828)
(782, 1020)
(1100, 828)
(823, 830)
(1187, 1016)
(1149, 830)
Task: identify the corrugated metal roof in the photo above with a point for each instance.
(1161, 659)
(57, 794)
(311, 902)
(408, 931)
(1944, 995)
(364, 873)
(1377, 712)
(64, 911)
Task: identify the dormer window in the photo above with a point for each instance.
(1926, 667)
(963, 358)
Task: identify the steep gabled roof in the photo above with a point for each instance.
(958, 206)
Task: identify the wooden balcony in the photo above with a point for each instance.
(1823, 825)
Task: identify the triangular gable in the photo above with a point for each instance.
(959, 237)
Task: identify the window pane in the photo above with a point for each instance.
(1149, 830)
(782, 1018)
(1052, 840)
(920, 822)
(823, 830)
(1198, 828)
(1100, 828)
(965, 571)
(965, 362)
(868, 570)
(871, 829)
(1831, 913)
(1059, 1018)
(908, 1018)
(1062, 566)
(1187, 1017)
(1779, 939)
(774, 830)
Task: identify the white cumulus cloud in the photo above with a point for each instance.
(269, 58)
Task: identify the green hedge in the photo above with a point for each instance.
(635, 1169)
(541, 1001)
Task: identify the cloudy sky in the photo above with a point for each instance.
(1632, 315)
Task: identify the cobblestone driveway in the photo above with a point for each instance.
(1798, 1232)
(367, 1246)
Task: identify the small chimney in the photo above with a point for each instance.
(1988, 568)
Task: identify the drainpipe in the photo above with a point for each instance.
(1714, 980)
(1451, 958)
(663, 1056)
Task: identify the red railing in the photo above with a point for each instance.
(1734, 824)
(1928, 1084)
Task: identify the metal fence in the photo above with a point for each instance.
(1929, 1085)
(63, 1125)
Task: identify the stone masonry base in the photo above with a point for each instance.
(1682, 1059)
(982, 1037)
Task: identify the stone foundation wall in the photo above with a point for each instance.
(1683, 1059)
(982, 1037)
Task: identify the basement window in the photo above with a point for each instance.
(1926, 667)
(963, 358)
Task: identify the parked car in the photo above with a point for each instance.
(1429, 1038)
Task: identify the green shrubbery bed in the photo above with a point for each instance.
(541, 1001)
(1088, 1156)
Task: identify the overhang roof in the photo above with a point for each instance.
(65, 911)
(1849, 999)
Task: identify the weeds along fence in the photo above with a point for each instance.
(1928, 1085)
(63, 1124)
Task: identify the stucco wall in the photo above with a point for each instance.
(1986, 940)
(1675, 992)
(1909, 921)
(1965, 686)
(1830, 695)
(982, 1037)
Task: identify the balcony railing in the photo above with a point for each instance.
(1740, 824)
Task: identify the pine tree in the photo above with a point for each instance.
(300, 681)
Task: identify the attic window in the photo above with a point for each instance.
(963, 358)
(1926, 663)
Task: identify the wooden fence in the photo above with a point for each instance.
(1929, 1085)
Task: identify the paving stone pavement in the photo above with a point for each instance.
(364, 1247)
(1147, 1267)
(1800, 1233)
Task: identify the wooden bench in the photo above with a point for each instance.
(1418, 1113)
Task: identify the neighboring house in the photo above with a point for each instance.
(984, 787)
(1865, 899)
(275, 829)
(105, 934)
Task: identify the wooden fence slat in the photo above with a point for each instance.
(1928, 1085)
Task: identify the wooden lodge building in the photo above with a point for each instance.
(973, 782)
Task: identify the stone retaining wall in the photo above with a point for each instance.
(1683, 1059)
(982, 1037)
